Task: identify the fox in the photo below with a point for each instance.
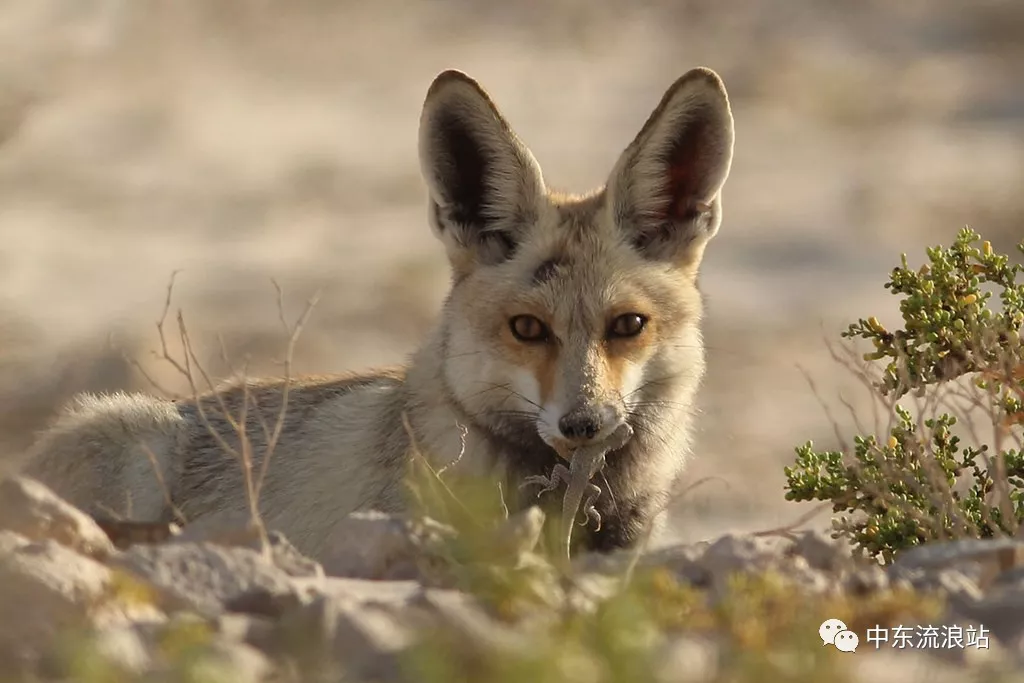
(568, 315)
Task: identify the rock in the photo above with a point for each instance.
(246, 628)
(232, 661)
(32, 510)
(366, 590)
(1002, 615)
(48, 589)
(363, 627)
(1012, 579)
(234, 532)
(985, 651)
(374, 545)
(279, 549)
(126, 533)
(820, 551)
(892, 666)
(123, 647)
(190, 647)
(864, 580)
(807, 579)
(202, 576)
(966, 567)
(998, 554)
(463, 615)
(235, 528)
(683, 559)
(683, 659)
(369, 638)
(732, 553)
(944, 580)
(266, 603)
(304, 636)
(186, 651)
(953, 582)
(810, 559)
(332, 634)
(611, 563)
(286, 557)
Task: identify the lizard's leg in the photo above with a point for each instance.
(589, 496)
(559, 475)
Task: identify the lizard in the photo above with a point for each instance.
(584, 464)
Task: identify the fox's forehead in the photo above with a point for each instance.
(577, 263)
(572, 243)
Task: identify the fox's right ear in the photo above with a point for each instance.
(485, 186)
(666, 188)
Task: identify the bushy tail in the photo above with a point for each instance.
(112, 455)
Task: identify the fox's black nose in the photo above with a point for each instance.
(580, 424)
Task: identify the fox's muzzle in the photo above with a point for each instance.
(581, 424)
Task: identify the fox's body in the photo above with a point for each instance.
(567, 316)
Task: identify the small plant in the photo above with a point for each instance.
(958, 352)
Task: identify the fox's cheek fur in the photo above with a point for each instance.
(526, 388)
(539, 361)
(631, 379)
(535, 382)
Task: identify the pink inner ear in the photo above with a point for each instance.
(689, 164)
(681, 188)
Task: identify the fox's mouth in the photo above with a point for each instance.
(565, 448)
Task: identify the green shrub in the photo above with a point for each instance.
(958, 348)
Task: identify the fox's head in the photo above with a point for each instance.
(570, 315)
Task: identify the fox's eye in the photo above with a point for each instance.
(627, 325)
(527, 328)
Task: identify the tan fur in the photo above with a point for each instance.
(575, 263)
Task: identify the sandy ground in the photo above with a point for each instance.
(241, 141)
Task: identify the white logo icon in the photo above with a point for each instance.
(834, 632)
(847, 641)
(829, 629)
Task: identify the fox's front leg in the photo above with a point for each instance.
(559, 475)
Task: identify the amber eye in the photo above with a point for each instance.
(627, 325)
(527, 328)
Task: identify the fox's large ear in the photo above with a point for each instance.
(485, 186)
(665, 190)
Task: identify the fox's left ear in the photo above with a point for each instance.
(665, 190)
(485, 186)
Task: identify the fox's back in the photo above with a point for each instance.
(320, 447)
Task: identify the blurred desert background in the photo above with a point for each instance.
(241, 141)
